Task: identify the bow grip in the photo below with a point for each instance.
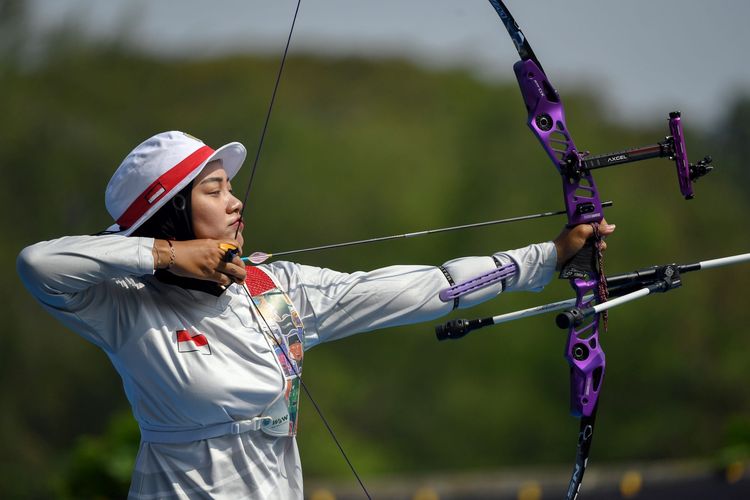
(582, 351)
(582, 265)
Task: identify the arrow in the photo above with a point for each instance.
(260, 257)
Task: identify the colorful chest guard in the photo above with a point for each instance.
(282, 325)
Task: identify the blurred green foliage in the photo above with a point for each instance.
(356, 149)
(100, 466)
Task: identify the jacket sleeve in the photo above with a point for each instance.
(87, 282)
(336, 305)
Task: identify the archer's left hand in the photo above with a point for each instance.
(571, 240)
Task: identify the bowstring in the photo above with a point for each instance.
(242, 211)
(268, 116)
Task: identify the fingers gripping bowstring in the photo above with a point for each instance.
(242, 211)
(268, 115)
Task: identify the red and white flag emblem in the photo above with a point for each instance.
(192, 343)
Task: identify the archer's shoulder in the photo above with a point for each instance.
(292, 276)
(284, 274)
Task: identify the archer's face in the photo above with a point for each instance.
(216, 211)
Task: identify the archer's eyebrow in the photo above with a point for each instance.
(212, 179)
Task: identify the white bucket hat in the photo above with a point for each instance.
(156, 170)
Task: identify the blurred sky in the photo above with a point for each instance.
(646, 57)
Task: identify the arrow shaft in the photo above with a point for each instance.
(425, 232)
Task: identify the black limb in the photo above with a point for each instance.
(519, 40)
(457, 328)
(585, 435)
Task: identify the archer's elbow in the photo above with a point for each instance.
(30, 265)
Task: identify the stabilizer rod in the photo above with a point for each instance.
(623, 288)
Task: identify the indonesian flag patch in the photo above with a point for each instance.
(192, 343)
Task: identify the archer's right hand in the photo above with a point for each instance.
(199, 259)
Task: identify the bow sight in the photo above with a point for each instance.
(546, 119)
(672, 147)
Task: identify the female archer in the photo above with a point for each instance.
(210, 351)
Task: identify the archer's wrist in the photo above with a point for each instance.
(164, 254)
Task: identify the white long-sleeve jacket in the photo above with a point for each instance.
(103, 288)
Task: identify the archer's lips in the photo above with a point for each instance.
(237, 223)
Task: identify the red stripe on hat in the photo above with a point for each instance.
(162, 186)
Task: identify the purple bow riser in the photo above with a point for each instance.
(547, 121)
(585, 355)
